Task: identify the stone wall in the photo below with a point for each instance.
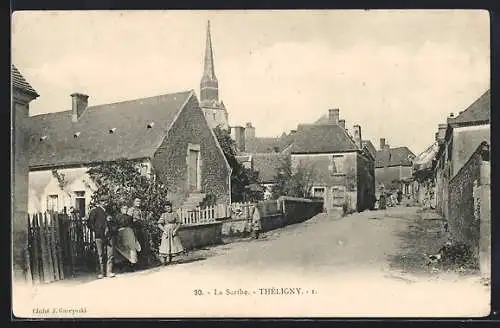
(170, 159)
(463, 224)
(200, 235)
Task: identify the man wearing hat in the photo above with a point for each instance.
(100, 223)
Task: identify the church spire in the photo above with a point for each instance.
(209, 86)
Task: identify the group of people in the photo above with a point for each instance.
(124, 238)
(387, 199)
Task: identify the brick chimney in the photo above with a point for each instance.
(357, 135)
(249, 131)
(78, 105)
(382, 143)
(441, 131)
(238, 135)
(333, 116)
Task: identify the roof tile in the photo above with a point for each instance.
(131, 139)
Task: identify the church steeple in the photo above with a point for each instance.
(209, 86)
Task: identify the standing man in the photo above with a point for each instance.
(100, 223)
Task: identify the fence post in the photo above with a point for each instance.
(27, 254)
(53, 249)
(57, 234)
(48, 238)
(37, 270)
(44, 248)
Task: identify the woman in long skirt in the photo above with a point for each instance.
(170, 242)
(127, 245)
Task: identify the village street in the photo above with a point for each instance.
(365, 264)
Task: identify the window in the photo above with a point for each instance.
(80, 203)
(337, 165)
(52, 203)
(318, 192)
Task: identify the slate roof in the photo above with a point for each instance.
(322, 120)
(317, 138)
(132, 138)
(424, 159)
(478, 111)
(267, 145)
(394, 157)
(371, 148)
(267, 165)
(20, 83)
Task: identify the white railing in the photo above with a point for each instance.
(213, 213)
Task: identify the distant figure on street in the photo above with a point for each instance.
(399, 196)
(100, 223)
(256, 223)
(170, 242)
(127, 244)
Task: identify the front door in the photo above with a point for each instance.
(193, 167)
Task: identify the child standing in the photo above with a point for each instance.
(170, 242)
(256, 223)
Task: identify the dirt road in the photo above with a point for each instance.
(368, 264)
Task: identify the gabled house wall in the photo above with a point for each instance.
(170, 160)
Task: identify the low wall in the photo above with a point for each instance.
(287, 210)
(484, 199)
(236, 227)
(297, 210)
(200, 235)
(463, 222)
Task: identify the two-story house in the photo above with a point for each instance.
(167, 136)
(343, 168)
(462, 136)
(393, 168)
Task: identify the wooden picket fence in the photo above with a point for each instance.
(59, 246)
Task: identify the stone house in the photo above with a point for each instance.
(460, 138)
(166, 135)
(343, 168)
(393, 168)
(22, 94)
(266, 165)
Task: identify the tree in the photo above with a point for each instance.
(241, 177)
(121, 182)
(293, 183)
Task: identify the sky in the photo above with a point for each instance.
(398, 74)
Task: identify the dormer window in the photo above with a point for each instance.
(111, 131)
(76, 135)
(42, 138)
(150, 125)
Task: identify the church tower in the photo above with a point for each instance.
(214, 110)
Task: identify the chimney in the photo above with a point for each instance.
(238, 135)
(78, 105)
(249, 131)
(441, 132)
(357, 135)
(342, 123)
(382, 143)
(333, 116)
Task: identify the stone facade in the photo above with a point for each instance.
(169, 161)
(20, 168)
(463, 222)
(346, 178)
